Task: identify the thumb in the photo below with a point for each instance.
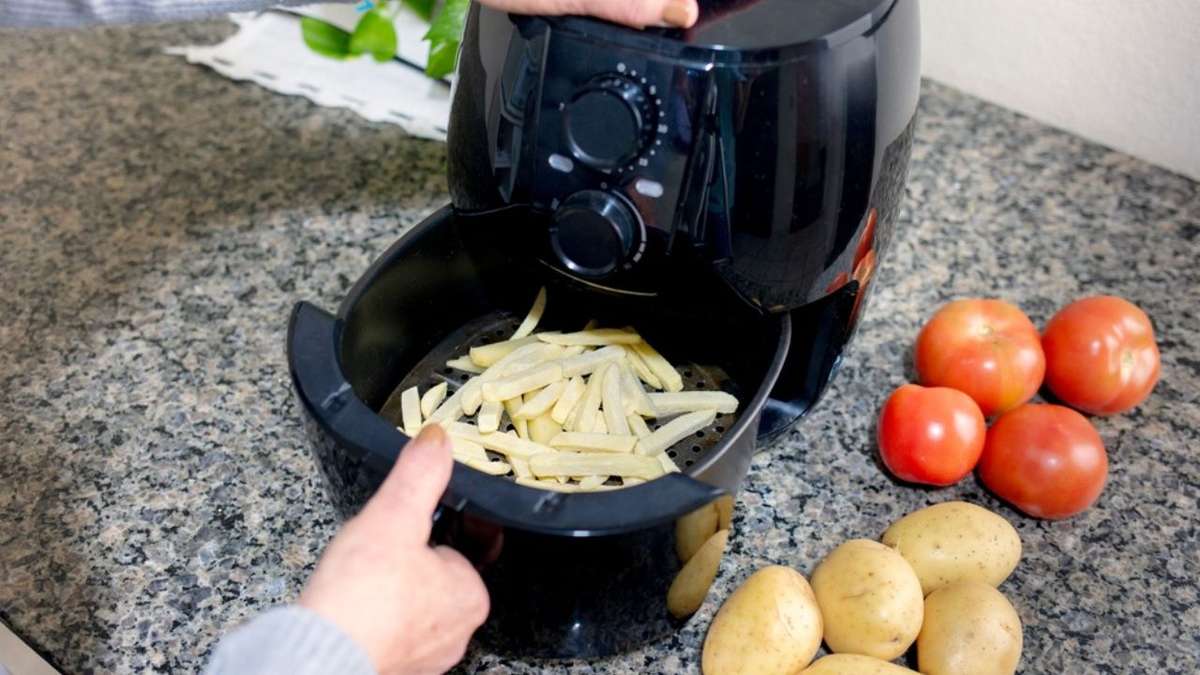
(411, 491)
(636, 13)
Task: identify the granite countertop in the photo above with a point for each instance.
(157, 222)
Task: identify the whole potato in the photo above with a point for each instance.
(870, 599)
(955, 541)
(770, 625)
(693, 529)
(854, 664)
(970, 629)
(691, 585)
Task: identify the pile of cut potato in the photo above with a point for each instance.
(931, 582)
(577, 404)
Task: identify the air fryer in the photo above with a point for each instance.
(726, 189)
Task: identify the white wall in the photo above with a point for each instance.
(1125, 73)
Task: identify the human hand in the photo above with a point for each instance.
(636, 13)
(413, 608)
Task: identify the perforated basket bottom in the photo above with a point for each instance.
(497, 326)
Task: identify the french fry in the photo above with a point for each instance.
(638, 364)
(674, 431)
(634, 396)
(510, 446)
(492, 468)
(488, 355)
(410, 411)
(630, 482)
(489, 416)
(533, 378)
(519, 359)
(542, 401)
(464, 364)
(543, 428)
(668, 464)
(581, 418)
(552, 486)
(594, 464)
(588, 483)
(533, 317)
(662, 369)
(691, 401)
(577, 441)
(567, 400)
(433, 398)
(450, 409)
(614, 408)
(467, 451)
(520, 467)
(598, 424)
(520, 424)
(589, 362)
(638, 426)
(593, 338)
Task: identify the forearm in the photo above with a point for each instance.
(71, 13)
(292, 641)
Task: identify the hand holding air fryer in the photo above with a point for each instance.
(727, 189)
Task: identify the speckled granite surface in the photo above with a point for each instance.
(157, 222)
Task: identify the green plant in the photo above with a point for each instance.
(376, 35)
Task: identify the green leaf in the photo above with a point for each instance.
(374, 35)
(422, 8)
(325, 39)
(444, 36)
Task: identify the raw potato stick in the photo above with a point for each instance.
(593, 338)
(492, 468)
(410, 411)
(668, 464)
(450, 409)
(674, 431)
(433, 398)
(662, 369)
(638, 426)
(634, 396)
(691, 401)
(598, 424)
(569, 398)
(520, 467)
(533, 317)
(547, 485)
(574, 440)
(489, 416)
(591, 482)
(525, 381)
(464, 364)
(575, 464)
(614, 408)
(542, 401)
(643, 371)
(519, 359)
(511, 446)
(486, 356)
(543, 428)
(589, 362)
(581, 418)
(468, 451)
(520, 424)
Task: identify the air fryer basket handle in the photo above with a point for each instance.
(328, 396)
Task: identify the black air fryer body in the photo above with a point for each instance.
(725, 189)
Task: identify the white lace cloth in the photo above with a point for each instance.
(268, 50)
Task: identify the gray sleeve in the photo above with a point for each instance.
(289, 641)
(71, 13)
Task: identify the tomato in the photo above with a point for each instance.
(1100, 355)
(1046, 460)
(930, 435)
(987, 349)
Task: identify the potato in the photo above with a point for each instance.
(955, 541)
(691, 585)
(854, 664)
(770, 625)
(870, 600)
(693, 529)
(970, 629)
(724, 512)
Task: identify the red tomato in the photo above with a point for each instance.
(930, 435)
(1046, 460)
(987, 349)
(1100, 355)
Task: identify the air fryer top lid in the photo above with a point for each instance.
(760, 27)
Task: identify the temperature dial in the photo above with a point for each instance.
(609, 122)
(594, 233)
